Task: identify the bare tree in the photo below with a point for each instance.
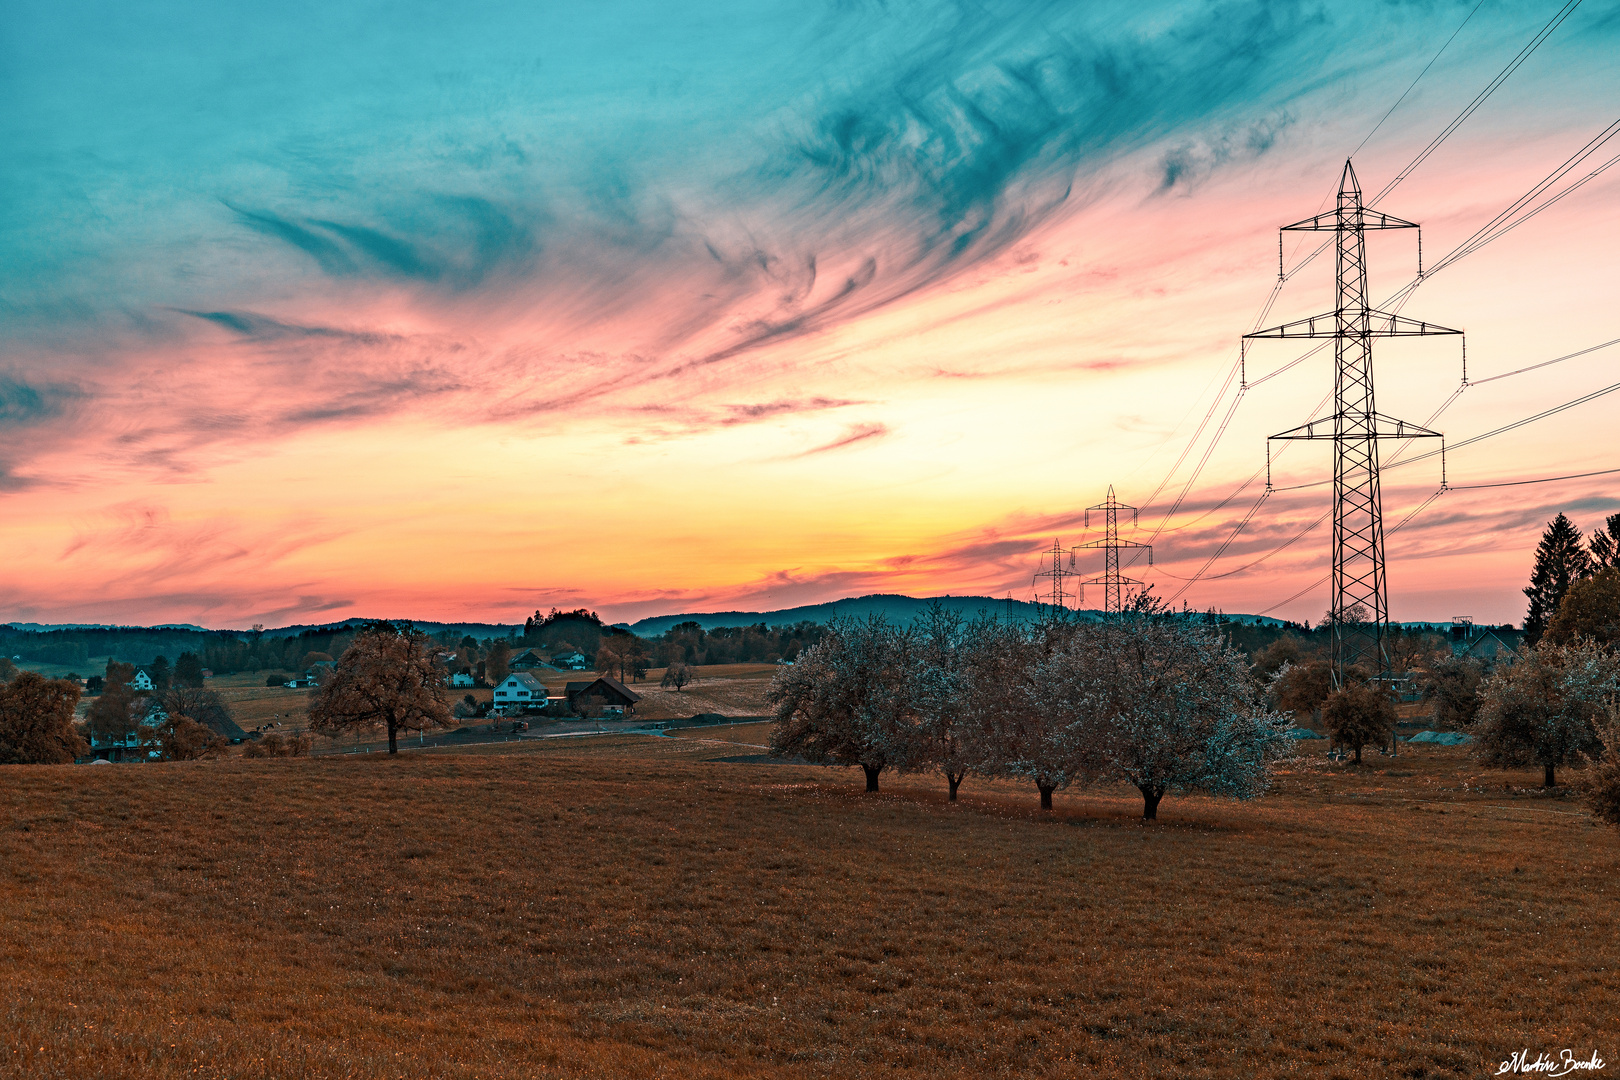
(678, 675)
(387, 678)
(36, 721)
(203, 705)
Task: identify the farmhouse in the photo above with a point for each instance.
(528, 661)
(141, 681)
(461, 678)
(569, 660)
(522, 690)
(1487, 645)
(605, 693)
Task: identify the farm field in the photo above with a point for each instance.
(627, 906)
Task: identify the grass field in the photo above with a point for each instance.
(625, 906)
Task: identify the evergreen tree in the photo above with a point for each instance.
(1605, 543)
(188, 670)
(1561, 560)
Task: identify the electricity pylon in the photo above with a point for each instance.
(1360, 597)
(1059, 596)
(1111, 544)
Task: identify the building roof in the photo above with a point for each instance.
(527, 681)
(605, 687)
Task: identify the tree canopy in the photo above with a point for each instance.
(1589, 610)
(388, 678)
(36, 721)
(1542, 710)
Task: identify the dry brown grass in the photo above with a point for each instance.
(727, 689)
(625, 907)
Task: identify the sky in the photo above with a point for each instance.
(456, 312)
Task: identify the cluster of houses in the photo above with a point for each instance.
(521, 692)
(133, 745)
(566, 660)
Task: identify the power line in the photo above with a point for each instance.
(1417, 80)
(1251, 565)
(1222, 549)
(1545, 363)
(1395, 464)
(1480, 99)
(1495, 229)
(1400, 297)
(1593, 396)
(1544, 480)
(1323, 580)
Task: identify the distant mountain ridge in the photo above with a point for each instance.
(894, 607)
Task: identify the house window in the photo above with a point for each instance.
(500, 693)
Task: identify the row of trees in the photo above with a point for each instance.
(1159, 701)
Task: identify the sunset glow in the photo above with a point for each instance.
(458, 313)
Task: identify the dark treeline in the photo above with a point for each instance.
(227, 652)
(689, 643)
(221, 651)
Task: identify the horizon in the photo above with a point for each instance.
(756, 309)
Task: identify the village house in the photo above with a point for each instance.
(141, 681)
(606, 693)
(461, 679)
(1489, 644)
(520, 690)
(571, 660)
(528, 660)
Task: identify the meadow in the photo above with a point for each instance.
(629, 905)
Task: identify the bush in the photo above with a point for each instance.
(1358, 716)
(180, 738)
(276, 680)
(277, 745)
(1600, 787)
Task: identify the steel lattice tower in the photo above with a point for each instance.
(1112, 583)
(1059, 596)
(1360, 598)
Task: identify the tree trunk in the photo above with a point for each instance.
(955, 780)
(871, 776)
(1358, 755)
(393, 737)
(1547, 780)
(1046, 793)
(1150, 801)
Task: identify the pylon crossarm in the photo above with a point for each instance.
(1114, 543)
(1301, 328)
(1329, 324)
(1332, 220)
(1358, 426)
(1400, 326)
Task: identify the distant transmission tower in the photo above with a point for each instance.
(1112, 583)
(1059, 596)
(1360, 597)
